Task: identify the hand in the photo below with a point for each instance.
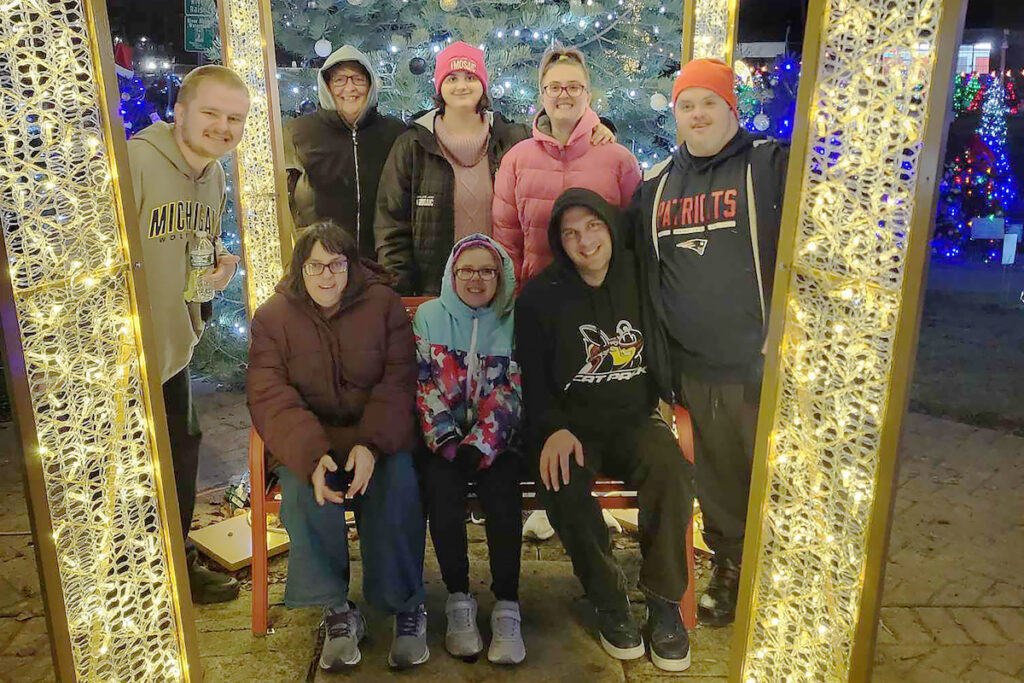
(602, 135)
(555, 456)
(361, 460)
(321, 491)
(220, 276)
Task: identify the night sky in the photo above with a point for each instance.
(760, 20)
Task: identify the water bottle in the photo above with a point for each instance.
(200, 262)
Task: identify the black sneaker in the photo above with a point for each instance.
(717, 607)
(209, 586)
(670, 645)
(620, 634)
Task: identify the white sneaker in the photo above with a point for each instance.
(537, 526)
(507, 646)
(462, 638)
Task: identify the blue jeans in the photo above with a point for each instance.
(392, 533)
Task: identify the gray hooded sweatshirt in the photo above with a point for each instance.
(173, 205)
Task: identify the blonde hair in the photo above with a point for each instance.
(210, 72)
(562, 55)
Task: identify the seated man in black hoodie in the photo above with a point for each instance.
(706, 225)
(590, 407)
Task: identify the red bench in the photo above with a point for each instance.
(612, 494)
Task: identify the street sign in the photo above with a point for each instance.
(199, 32)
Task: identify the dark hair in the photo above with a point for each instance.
(483, 105)
(332, 237)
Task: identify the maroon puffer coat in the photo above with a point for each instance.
(315, 383)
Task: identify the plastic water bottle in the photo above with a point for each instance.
(200, 262)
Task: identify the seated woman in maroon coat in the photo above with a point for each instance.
(331, 389)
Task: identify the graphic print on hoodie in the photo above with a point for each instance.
(581, 348)
(709, 290)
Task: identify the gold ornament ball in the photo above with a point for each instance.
(449, 5)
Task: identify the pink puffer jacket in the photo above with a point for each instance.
(535, 172)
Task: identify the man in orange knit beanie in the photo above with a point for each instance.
(706, 224)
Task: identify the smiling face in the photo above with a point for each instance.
(211, 123)
(587, 242)
(326, 288)
(461, 90)
(477, 264)
(350, 86)
(704, 121)
(563, 107)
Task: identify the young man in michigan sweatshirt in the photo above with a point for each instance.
(179, 194)
(706, 225)
(589, 408)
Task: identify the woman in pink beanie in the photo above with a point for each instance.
(438, 181)
(559, 156)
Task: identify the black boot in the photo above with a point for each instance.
(670, 644)
(717, 607)
(209, 586)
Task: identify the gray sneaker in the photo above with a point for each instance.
(507, 646)
(462, 638)
(341, 644)
(409, 646)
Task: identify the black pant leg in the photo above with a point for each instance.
(648, 457)
(724, 421)
(185, 442)
(576, 517)
(445, 491)
(502, 503)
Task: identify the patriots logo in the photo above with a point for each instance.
(697, 245)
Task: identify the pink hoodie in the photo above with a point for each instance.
(535, 172)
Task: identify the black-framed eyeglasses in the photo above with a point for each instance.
(314, 268)
(341, 80)
(467, 274)
(573, 90)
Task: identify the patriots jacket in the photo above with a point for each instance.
(700, 207)
(468, 388)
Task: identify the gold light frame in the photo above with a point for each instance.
(261, 194)
(709, 29)
(871, 125)
(91, 419)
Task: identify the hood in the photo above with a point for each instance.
(591, 200)
(360, 278)
(683, 160)
(347, 53)
(160, 136)
(504, 298)
(583, 130)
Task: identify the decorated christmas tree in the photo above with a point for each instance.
(632, 48)
(978, 182)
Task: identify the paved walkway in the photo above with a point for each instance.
(953, 604)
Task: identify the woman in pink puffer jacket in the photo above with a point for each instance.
(559, 156)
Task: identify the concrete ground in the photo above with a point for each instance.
(953, 601)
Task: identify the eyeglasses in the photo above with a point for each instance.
(485, 274)
(341, 80)
(573, 90)
(314, 268)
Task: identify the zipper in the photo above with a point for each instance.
(359, 197)
(472, 366)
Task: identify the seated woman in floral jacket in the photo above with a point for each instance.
(330, 387)
(468, 400)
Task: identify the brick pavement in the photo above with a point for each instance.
(953, 607)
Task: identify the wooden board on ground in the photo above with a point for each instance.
(229, 543)
(628, 519)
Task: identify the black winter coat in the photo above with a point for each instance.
(415, 220)
(334, 169)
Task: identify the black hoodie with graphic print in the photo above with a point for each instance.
(580, 348)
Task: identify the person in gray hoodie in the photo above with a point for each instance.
(179, 196)
(334, 156)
